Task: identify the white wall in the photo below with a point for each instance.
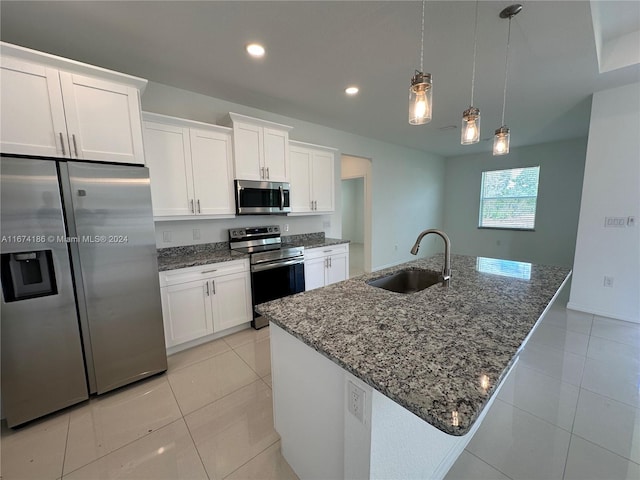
(559, 188)
(611, 188)
(353, 209)
(406, 184)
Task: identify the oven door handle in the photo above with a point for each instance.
(268, 266)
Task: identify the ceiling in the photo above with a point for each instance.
(316, 49)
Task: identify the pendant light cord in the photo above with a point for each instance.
(422, 40)
(506, 68)
(475, 49)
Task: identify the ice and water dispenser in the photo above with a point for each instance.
(28, 275)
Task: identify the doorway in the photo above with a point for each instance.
(356, 212)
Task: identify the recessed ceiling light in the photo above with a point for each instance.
(351, 90)
(255, 50)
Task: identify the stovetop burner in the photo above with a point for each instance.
(264, 244)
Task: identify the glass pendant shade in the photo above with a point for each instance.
(501, 141)
(420, 99)
(470, 131)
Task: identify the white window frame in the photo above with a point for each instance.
(530, 228)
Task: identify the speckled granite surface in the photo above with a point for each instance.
(311, 240)
(173, 258)
(435, 352)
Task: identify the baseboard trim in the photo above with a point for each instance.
(602, 313)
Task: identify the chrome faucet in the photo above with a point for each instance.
(446, 270)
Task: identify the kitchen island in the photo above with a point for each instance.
(369, 383)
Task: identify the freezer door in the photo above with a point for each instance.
(117, 254)
(42, 363)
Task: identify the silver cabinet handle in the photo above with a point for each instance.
(208, 271)
(198, 205)
(207, 288)
(330, 262)
(262, 173)
(213, 284)
(75, 145)
(192, 210)
(268, 174)
(64, 153)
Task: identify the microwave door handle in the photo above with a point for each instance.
(281, 197)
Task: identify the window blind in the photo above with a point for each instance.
(508, 198)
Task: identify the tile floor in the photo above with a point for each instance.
(570, 409)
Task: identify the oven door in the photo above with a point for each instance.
(275, 280)
(262, 198)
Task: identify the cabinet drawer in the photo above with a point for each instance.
(183, 275)
(311, 253)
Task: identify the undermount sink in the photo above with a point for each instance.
(408, 281)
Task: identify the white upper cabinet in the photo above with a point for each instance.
(312, 178)
(212, 164)
(33, 120)
(103, 119)
(190, 167)
(261, 149)
(168, 154)
(52, 107)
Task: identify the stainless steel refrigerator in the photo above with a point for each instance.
(81, 311)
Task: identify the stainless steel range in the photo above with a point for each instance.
(277, 270)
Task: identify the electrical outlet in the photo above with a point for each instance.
(286, 227)
(196, 234)
(326, 224)
(616, 222)
(608, 281)
(631, 221)
(356, 401)
(166, 237)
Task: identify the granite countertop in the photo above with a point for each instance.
(314, 242)
(435, 352)
(173, 258)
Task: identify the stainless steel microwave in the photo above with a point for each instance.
(262, 198)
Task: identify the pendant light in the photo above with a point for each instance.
(420, 89)
(470, 131)
(502, 135)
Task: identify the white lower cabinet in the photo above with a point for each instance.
(200, 301)
(326, 265)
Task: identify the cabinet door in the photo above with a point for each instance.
(247, 150)
(338, 268)
(32, 121)
(168, 155)
(300, 179)
(186, 311)
(103, 119)
(212, 180)
(231, 300)
(323, 181)
(314, 273)
(276, 154)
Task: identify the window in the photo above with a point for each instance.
(508, 198)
